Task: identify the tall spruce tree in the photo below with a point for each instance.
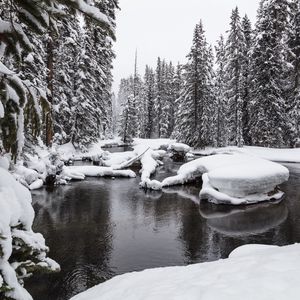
(196, 93)
(234, 79)
(221, 134)
(293, 101)
(246, 84)
(269, 125)
(19, 19)
(149, 96)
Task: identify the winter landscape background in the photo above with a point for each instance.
(138, 168)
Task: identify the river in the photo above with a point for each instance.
(99, 228)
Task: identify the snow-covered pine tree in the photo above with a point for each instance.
(158, 95)
(149, 98)
(221, 134)
(196, 93)
(67, 48)
(128, 118)
(269, 125)
(17, 19)
(170, 97)
(100, 47)
(248, 36)
(293, 103)
(234, 79)
(210, 101)
(163, 118)
(178, 85)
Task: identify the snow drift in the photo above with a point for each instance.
(251, 272)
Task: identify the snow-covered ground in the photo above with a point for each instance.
(251, 272)
(235, 175)
(278, 155)
(16, 218)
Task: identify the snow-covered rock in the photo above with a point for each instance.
(233, 178)
(251, 272)
(179, 147)
(29, 175)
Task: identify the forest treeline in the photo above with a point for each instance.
(55, 72)
(243, 91)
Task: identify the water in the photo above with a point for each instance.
(99, 228)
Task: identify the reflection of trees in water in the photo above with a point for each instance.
(292, 191)
(222, 228)
(75, 221)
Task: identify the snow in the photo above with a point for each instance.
(180, 147)
(154, 144)
(1, 110)
(251, 272)
(79, 172)
(233, 178)
(149, 163)
(29, 175)
(92, 11)
(37, 184)
(16, 210)
(4, 162)
(4, 70)
(273, 154)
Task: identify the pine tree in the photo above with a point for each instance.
(247, 32)
(19, 21)
(196, 93)
(158, 95)
(149, 96)
(268, 120)
(234, 78)
(128, 119)
(293, 103)
(178, 85)
(221, 135)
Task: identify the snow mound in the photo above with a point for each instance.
(235, 179)
(16, 218)
(251, 272)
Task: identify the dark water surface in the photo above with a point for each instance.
(99, 228)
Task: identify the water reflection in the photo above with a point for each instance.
(102, 227)
(76, 223)
(245, 220)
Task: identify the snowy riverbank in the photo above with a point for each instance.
(277, 155)
(251, 272)
(229, 175)
(21, 250)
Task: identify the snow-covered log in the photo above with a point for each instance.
(80, 172)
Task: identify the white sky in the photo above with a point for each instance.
(165, 28)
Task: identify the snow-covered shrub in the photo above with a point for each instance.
(22, 252)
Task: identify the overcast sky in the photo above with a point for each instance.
(165, 28)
